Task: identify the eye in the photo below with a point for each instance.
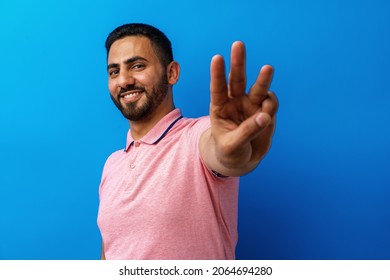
(113, 72)
(138, 66)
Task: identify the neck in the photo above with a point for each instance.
(140, 128)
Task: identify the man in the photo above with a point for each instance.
(172, 192)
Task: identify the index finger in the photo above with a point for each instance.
(218, 87)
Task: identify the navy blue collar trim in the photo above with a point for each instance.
(166, 131)
(162, 135)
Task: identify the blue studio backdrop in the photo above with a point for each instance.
(322, 192)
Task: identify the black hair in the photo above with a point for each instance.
(159, 40)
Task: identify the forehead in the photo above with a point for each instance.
(131, 46)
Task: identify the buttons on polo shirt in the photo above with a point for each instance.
(134, 154)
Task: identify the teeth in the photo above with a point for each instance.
(130, 95)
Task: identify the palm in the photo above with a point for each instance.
(241, 134)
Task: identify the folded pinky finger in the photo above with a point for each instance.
(270, 104)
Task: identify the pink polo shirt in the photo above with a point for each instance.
(158, 200)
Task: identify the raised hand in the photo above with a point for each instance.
(242, 125)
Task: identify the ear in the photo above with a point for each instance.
(173, 72)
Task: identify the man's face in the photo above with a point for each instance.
(136, 79)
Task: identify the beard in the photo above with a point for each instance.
(154, 97)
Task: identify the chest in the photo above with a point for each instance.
(154, 179)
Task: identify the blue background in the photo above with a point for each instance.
(322, 192)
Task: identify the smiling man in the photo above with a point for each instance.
(172, 192)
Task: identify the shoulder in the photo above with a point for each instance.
(194, 125)
(115, 155)
(112, 159)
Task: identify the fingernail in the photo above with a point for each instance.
(262, 120)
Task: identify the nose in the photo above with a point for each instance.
(125, 79)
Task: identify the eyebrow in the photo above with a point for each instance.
(127, 61)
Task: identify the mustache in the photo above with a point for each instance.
(131, 87)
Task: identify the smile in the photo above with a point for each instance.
(131, 96)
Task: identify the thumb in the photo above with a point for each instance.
(251, 127)
(263, 120)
